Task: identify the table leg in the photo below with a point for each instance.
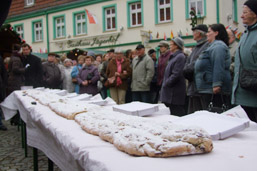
(35, 159)
(25, 140)
(24, 137)
(50, 165)
(22, 133)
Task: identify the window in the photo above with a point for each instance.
(37, 31)
(164, 11)
(234, 10)
(79, 23)
(59, 26)
(135, 13)
(199, 6)
(29, 2)
(19, 30)
(110, 18)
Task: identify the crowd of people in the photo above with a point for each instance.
(185, 83)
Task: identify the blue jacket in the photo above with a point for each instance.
(248, 52)
(74, 74)
(212, 68)
(173, 89)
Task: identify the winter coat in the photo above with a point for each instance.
(3, 80)
(162, 63)
(52, 77)
(248, 52)
(34, 72)
(112, 68)
(142, 73)
(188, 70)
(16, 73)
(88, 73)
(173, 89)
(74, 74)
(66, 82)
(212, 68)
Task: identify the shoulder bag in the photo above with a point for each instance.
(247, 77)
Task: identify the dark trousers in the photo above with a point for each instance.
(103, 92)
(177, 110)
(251, 112)
(141, 96)
(194, 104)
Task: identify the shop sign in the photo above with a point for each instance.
(95, 41)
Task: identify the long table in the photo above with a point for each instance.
(70, 148)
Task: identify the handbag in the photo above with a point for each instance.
(247, 77)
(74, 80)
(217, 109)
(110, 82)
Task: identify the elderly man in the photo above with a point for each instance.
(232, 47)
(34, 71)
(142, 75)
(51, 73)
(199, 34)
(246, 57)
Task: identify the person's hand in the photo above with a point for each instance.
(117, 74)
(125, 72)
(216, 90)
(85, 83)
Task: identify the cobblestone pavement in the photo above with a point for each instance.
(12, 156)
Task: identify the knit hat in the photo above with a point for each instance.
(252, 4)
(91, 53)
(179, 42)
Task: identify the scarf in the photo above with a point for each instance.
(119, 69)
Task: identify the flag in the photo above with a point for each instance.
(151, 37)
(164, 37)
(157, 35)
(40, 50)
(239, 35)
(91, 17)
(171, 35)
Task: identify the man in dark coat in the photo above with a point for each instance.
(51, 73)
(199, 33)
(34, 71)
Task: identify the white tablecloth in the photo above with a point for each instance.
(71, 148)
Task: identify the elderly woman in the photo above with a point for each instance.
(75, 72)
(246, 56)
(118, 71)
(66, 75)
(88, 77)
(173, 90)
(212, 75)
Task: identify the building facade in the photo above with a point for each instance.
(62, 25)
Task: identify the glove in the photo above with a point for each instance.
(27, 65)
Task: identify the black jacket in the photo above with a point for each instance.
(34, 72)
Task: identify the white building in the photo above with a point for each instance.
(120, 23)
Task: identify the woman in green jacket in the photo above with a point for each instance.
(247, 51)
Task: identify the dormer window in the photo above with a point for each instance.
(29, 2)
